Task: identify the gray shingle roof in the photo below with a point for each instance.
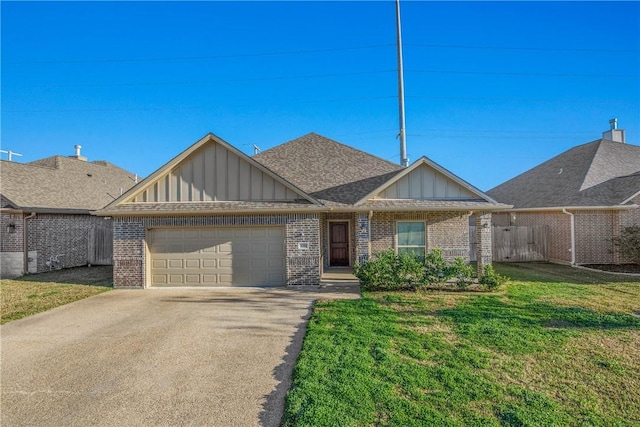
(330, 171)
(599, 173)
(61, 183)
(333, 174)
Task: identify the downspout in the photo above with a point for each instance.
(573, 235)
(25, 242)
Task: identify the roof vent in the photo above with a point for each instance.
(614, 134)
(77, 155)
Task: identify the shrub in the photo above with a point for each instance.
(391, 272)
(491, 279)
(462, 272)
(388, 271)
(435, 268)
(629, 243)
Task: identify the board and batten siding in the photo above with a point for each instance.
(425, 183)
(213, 173)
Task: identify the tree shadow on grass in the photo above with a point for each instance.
(516, 327)
(557, 273)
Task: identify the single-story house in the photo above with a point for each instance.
(584, 196)
(45, 211)
(214, 216)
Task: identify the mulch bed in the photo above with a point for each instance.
(616, 268)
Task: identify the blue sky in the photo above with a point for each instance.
(492, 88)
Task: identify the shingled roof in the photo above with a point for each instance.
(61, 184)
(325, 174)
(332, 172)
(601, 173)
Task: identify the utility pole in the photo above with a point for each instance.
(404, 161)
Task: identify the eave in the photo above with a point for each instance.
(573, 208)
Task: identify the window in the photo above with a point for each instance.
(411, 237)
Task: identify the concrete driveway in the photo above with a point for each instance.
(157, 357)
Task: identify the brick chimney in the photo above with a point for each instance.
(614, 134)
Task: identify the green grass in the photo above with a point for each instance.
(556, 347)
(36, 293)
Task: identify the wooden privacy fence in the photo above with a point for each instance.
(515, 244)
(100, 246)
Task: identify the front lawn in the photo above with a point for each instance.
(36, 293)
(557, 346)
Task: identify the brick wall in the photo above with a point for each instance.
(483, 241)
(130, 252)
(55, 234)
(11, 241)
(11, 247)
(303, 265)
(448, 231)
(625, 219)
(362, 237)
(594, 231)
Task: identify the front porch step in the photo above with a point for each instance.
(341, 275)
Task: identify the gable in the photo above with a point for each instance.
(424, 183)
(212, 170)
(426, 180)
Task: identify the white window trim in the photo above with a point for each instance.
(397, 246)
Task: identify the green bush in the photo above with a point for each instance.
(435, 268)
(389, 271)
(629, 243)
(491, 279)
(462, 272)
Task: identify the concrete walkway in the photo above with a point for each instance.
(157, 357)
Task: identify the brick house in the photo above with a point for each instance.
(45, 208)
(213, 216)
(584, 196)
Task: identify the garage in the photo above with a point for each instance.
(222, 256)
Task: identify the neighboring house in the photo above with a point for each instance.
(214, 216)
(584, 196)
(45, 208)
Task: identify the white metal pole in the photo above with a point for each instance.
(402, 135)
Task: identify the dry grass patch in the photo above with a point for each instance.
(593, 373)
(36, 293)
(614, 297)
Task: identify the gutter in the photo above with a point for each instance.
(574, 208)
(11, 210)
(573, 236)
(134, 213)
(25, 242)
(58, 211)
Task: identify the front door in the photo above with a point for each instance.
(338, 244)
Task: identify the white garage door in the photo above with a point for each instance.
(251, 256)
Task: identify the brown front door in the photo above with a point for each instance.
(338, 244)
